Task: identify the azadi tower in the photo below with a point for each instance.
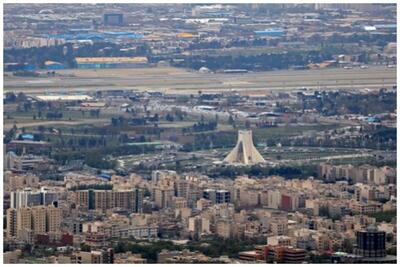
(244, 152)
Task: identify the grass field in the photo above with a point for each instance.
(70, 117)
(384, 216)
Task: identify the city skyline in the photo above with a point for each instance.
(195, 133)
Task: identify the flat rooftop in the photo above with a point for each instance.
(81, 60)
(63, 97)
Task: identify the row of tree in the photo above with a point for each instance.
(289, 172)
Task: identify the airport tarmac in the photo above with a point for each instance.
(174, 80)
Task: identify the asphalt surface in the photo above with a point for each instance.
(172, 80)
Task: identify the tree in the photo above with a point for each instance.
(389, 237)
(169, 117)
(85, 247)
(10, 97)
(114, 122)
(21, 97)
(27, 106)
(95, 160)
(392, 250)
(230, 120)
(324, 211)
(9, 135)
(347, 245)
(336, 247)
(70, 143)
(37, 137)
(177, 165)
(94, 113)
(120, 247)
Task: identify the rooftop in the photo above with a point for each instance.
(111, 60)
(62, 97)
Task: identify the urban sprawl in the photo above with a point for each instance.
(194, 133)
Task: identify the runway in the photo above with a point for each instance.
(173, 80)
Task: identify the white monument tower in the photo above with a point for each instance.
(244, 152)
